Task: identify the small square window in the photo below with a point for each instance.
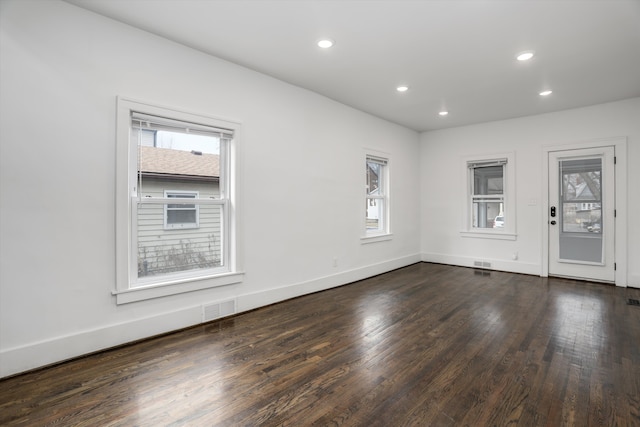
(181, 215)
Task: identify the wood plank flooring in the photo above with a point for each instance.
(426, 345)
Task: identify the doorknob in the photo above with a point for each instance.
(552, 223)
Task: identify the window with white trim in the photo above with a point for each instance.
(490, 197)
(181, 216)
(377, 199)
(176, 201)
(487, 194)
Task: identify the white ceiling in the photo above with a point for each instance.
(457, 55)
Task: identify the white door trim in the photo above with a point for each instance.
(620, 144)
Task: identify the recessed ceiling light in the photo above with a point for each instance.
(546, 92)
(524, 56)
(402, 88)
(325, 43)
(443, 113)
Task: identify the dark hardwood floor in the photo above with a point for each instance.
(426, 345)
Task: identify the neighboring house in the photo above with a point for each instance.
(584, 207)
(588, 210)
(177, 237)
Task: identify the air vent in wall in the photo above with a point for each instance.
(482, 264)
(217, 310)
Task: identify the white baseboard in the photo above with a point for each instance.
(496, 264)
(43, 353)
(270, 296)
(31, 356)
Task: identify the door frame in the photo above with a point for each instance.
(603, 269)
(620, 199)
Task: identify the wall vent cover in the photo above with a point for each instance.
(482, 264)
(632, 301)
(218, 309)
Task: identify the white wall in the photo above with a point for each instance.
(443, 184)
(302, 177)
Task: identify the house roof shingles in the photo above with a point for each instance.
(165, 161)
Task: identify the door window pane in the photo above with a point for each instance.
(581, 217)
(581, 210)
(581, 195)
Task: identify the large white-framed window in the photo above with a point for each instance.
(376, 224)
(489, 198)
(176, 206)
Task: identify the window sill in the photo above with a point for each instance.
(490, 234)
(159, 290)
(377, 238)
(181, 227)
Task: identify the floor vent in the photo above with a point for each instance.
(632, 301)
(217, 310)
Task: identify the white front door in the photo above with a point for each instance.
(582, 214)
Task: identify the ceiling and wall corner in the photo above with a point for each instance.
(458, 56)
